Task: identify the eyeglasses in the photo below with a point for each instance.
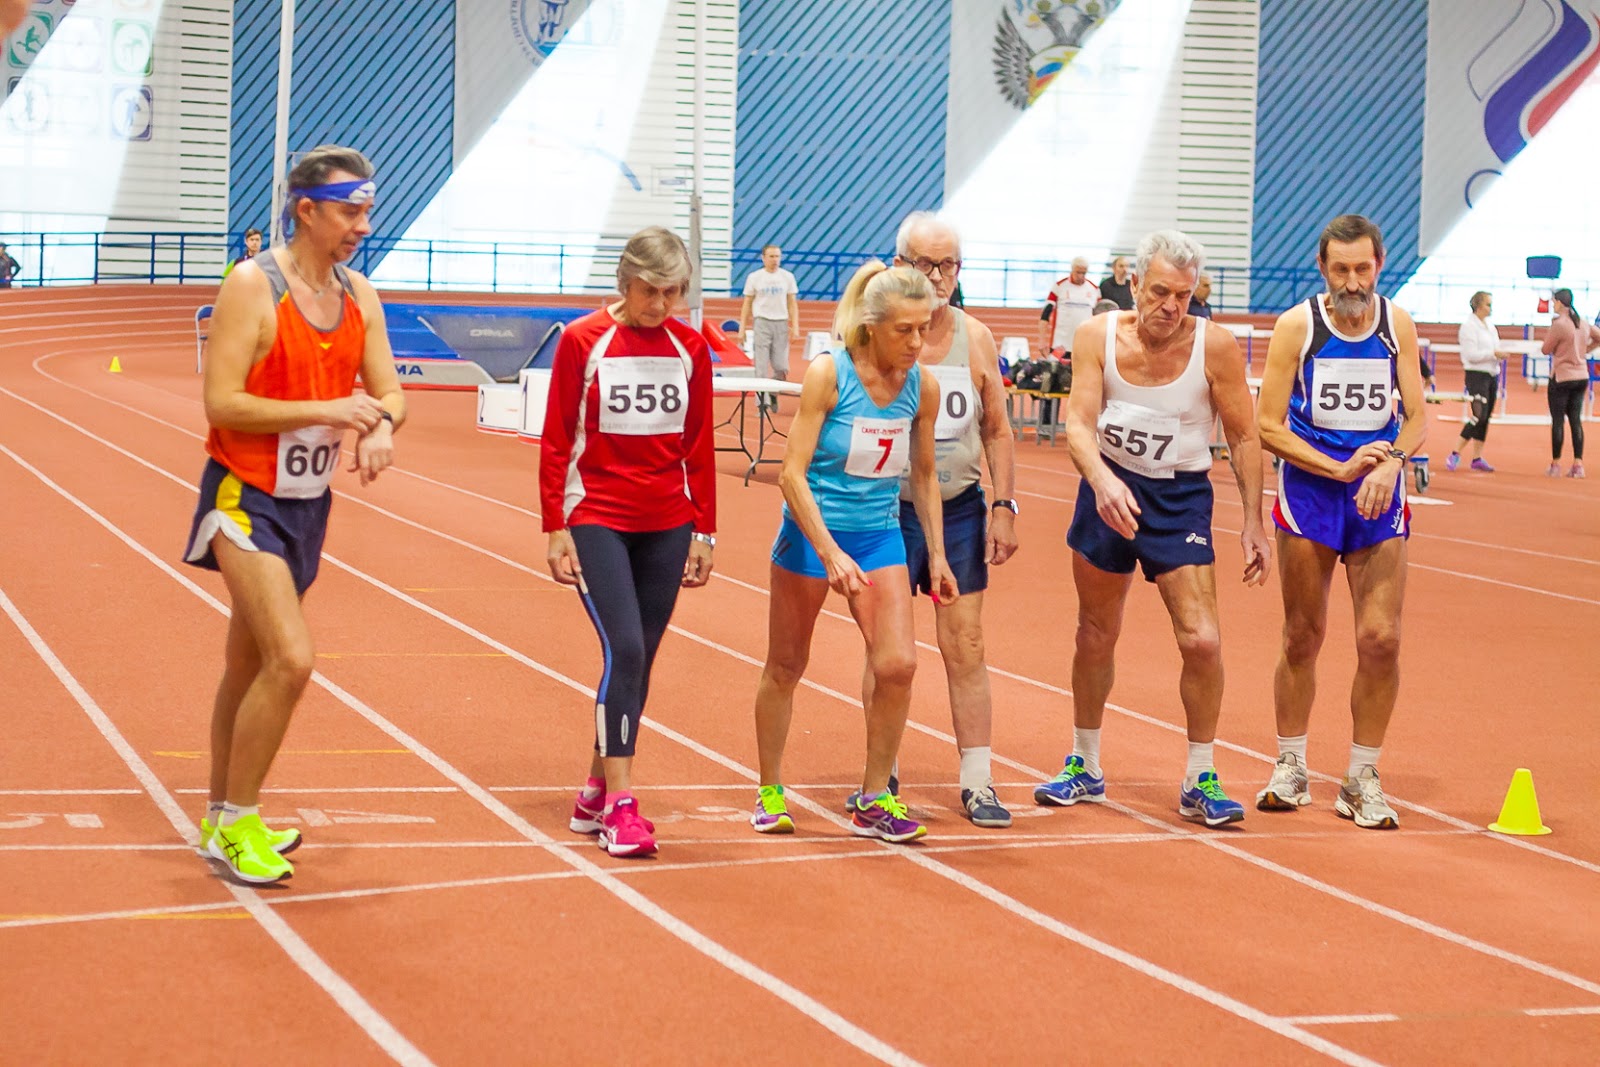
(926, 266)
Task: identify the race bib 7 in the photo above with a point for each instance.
(879, 448)
(642, 396)
(306, 459)
(1140, 439)
(1351, 394)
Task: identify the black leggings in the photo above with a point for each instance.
(1566, 402)
(633, 581)
(1482, 386)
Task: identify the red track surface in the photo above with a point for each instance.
(442, 912)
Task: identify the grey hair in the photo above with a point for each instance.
(1174, 246)
(657, 256)
(915, 221)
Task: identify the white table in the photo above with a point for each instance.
(767, 390)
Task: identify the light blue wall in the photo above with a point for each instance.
(378, 75)
(1338, 129)
(841, 117)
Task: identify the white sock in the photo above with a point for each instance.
(1296, 745)
(975, 772)
(1361, 756)
(213, 811)
(1086, 746)
(232, 813)
(1200, 761)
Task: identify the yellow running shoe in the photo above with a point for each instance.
(283, 841)
(247, 850)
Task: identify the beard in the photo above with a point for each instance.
(1351, 305)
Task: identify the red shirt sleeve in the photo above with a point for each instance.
(561, 414)
(700, 459)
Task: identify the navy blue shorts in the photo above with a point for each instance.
(871, 549)
(966, 542)
(293, 530)
(1174, 525)
(1324, 509)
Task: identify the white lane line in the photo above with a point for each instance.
(376, 1027)
(1386, 1017)
(1337, 1020)
(824, 1016)
(74, 792)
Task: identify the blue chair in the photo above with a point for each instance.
(202, 330)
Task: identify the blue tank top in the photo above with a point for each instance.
(863, 449)
(1343, 395)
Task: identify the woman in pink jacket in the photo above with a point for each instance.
(1568, 344)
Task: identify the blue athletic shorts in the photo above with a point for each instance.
(966, 541)
(871, 549)
(1324, 509)
(1174, 525)
(258, 522)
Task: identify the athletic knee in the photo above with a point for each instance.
(291, 663)
(894, 667)
(1378, 643)
(963, 650)
(785, 670)
(1097, 637)
(1302, 641)
(1202, 645)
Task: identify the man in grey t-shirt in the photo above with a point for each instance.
(769, 294)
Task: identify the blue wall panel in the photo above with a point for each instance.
(1338, 129)
(841, 124)
(378, 76)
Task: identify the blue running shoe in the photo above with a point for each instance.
(1072, 785)
(1207, 801)
(883, 816)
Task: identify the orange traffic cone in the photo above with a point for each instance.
(1520, 813)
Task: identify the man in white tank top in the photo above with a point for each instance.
(1147, 389)
(977, 533)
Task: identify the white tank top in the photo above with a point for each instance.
(1157, 430)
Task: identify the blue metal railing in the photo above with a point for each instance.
(557, 268)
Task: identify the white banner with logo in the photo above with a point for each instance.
(1497, 72)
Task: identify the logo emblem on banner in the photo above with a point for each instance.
(539, 25)
(1035, 40)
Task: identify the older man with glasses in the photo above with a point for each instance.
(971, 429)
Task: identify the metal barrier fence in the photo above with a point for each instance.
(556, 268)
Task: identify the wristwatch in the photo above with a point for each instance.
(709, 540)
(1399, 454)
(1009, 505)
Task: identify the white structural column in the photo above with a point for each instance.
(280, 143)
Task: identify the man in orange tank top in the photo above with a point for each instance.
(292, 331)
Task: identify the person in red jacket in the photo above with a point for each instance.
(627, 486)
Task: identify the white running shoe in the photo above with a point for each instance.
(1288, 788)
(1361, 799)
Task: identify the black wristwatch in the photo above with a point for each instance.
(384, 416)
(1009, 505)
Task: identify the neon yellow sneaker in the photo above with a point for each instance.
(283, 841)
(772, 812)
(247, 850)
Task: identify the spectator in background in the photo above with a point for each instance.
(769, 294)
(1071, 301)
(1105, 305)
(1481, 360)
(9, 268)
(252, 249)
(1117, 286)
(1199, 305)
(1568, 344)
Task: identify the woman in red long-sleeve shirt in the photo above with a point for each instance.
(627, 487)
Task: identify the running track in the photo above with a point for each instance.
(441, 912)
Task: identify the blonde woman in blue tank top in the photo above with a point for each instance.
(866, 412)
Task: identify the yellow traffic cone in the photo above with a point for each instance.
(1520, 813)
(116, 365)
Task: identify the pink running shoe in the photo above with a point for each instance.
(625, 832)
(1452, 461)
(1553, 471)
(587, 814)
(1575, 471)
(1480, 465)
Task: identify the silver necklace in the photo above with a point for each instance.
(301, 275)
